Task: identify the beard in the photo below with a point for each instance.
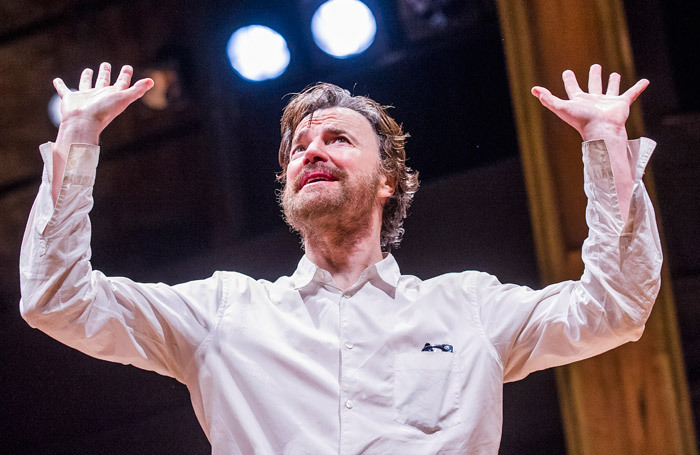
(345, 209)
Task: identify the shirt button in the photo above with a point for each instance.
(348, 404)
(72, 163)
(42, 247)
(349, 345)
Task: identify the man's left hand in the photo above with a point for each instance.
(595, 114)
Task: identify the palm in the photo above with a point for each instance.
(584, 108)
(101, 104)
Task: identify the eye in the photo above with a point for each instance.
(340, 139)
(298, 149)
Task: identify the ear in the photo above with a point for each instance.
(386, 186)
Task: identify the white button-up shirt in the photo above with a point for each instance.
(300, 366)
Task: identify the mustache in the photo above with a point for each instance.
(338, 174)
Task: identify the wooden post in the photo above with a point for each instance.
(633, 400)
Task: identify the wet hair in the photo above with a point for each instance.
(391, 139)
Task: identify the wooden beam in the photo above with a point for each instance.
(633, 400)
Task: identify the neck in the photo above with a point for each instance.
(345, 253)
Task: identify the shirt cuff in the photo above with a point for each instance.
(81, 164)
(596, 161)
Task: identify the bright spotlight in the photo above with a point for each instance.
(343, 28)
(258, 53)
(55, 108)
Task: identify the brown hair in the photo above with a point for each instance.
(391, 138)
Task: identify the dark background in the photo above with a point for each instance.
(190, 189)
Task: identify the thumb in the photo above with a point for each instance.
(536, 90)
(137, 90)
(633, 92)
(545, 96)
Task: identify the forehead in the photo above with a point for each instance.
(336, 117)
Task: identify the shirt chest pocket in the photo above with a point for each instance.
(427, 390)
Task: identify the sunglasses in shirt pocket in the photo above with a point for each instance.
(427, 390)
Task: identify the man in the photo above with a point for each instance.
(346, 355)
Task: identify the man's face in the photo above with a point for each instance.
(333, 169)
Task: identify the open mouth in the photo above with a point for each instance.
(316, 177)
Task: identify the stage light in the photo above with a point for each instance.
(343, 28)
(55, 108)
(258, 53)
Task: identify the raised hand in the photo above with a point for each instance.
(87, 112)
(91, 109)
(594, 114)
(598, 115)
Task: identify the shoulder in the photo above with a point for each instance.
(238, 287)
(465, 283)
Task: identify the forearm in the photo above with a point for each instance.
(72, 131)
(57, 236)
(622, 255)
(615, 138)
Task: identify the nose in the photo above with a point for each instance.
(315, 151)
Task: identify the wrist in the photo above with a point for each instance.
(605, 131)
(78, 131)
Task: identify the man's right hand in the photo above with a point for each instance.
(87, 112)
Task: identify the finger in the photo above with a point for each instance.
(613, 85)
(137, 90)
(60, 87)
(85, 79)
(633, 92)
(548, 100)
(595, 82)
(570, 83)
(104, 76)
(124, 78)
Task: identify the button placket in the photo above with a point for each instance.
(346, 392)
(348, 344)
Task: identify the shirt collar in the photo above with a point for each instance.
(306, 272)
(386, 272)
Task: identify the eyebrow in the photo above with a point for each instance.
(301, 132)
(337, 131)
(326, 129)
